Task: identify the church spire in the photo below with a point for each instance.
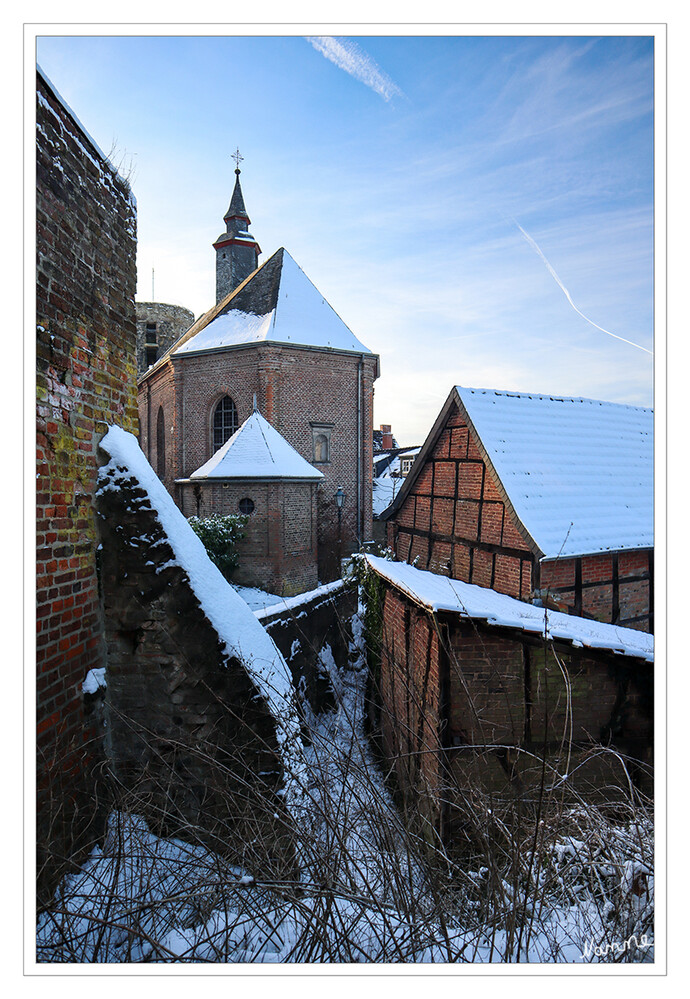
(237, 252)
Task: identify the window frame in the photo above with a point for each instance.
(234, 422)
(321, 430)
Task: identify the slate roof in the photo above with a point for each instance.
(578, 473)
(278, 304)
(236, 208)
(440, 593)
(257, 451)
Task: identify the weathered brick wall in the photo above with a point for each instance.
(279, 551)
(514, 704)
(486, 687)
(85, 378)
(410, 694)
(190, 736)
(455, 522)
(170, 321)
(301, 631)
(478, 709)
(294, 389)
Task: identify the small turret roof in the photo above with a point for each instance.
(257, 451)
(237, 209)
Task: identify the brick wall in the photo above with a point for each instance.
(455, 522)
(301, 631)
(468, 708)
(279, 550)
(410, 694)
(294, 389)
(515, 702)
(85, 379)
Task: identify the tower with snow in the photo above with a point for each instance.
(271, 342)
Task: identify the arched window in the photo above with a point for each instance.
(160, 443)
(321, 447)
(224, 421)
(321, 442)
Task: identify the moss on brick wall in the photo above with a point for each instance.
(85, 380)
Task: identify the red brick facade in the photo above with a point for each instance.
(456, 520)
(86, 379)
(298, 390)
(279, 550)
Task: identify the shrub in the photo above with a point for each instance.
(220, 535)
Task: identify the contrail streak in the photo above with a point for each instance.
(348, 56)
(567, 293)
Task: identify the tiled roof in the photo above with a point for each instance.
(578, 473)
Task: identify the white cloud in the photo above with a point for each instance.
(347, 55)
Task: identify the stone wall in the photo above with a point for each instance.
(191, 737)
(159, 326)
(85, 378)
(302, 627)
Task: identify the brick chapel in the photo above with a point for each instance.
(270, 344)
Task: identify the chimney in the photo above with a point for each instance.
(386, 437)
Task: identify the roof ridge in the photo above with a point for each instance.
(553, 397)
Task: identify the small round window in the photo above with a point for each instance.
(246, 506)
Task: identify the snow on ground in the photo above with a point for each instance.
(354, 867)
(257, 600)
(363, 894)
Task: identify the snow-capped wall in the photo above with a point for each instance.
(201, 702)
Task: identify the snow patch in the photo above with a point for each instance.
(95, 681)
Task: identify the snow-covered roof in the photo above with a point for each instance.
(440, 593)
(578, 473)
(279, 304)
(388, 480)
(257, 451)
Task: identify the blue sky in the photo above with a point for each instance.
(479, 210)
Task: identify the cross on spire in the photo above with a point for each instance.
(237, 157)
